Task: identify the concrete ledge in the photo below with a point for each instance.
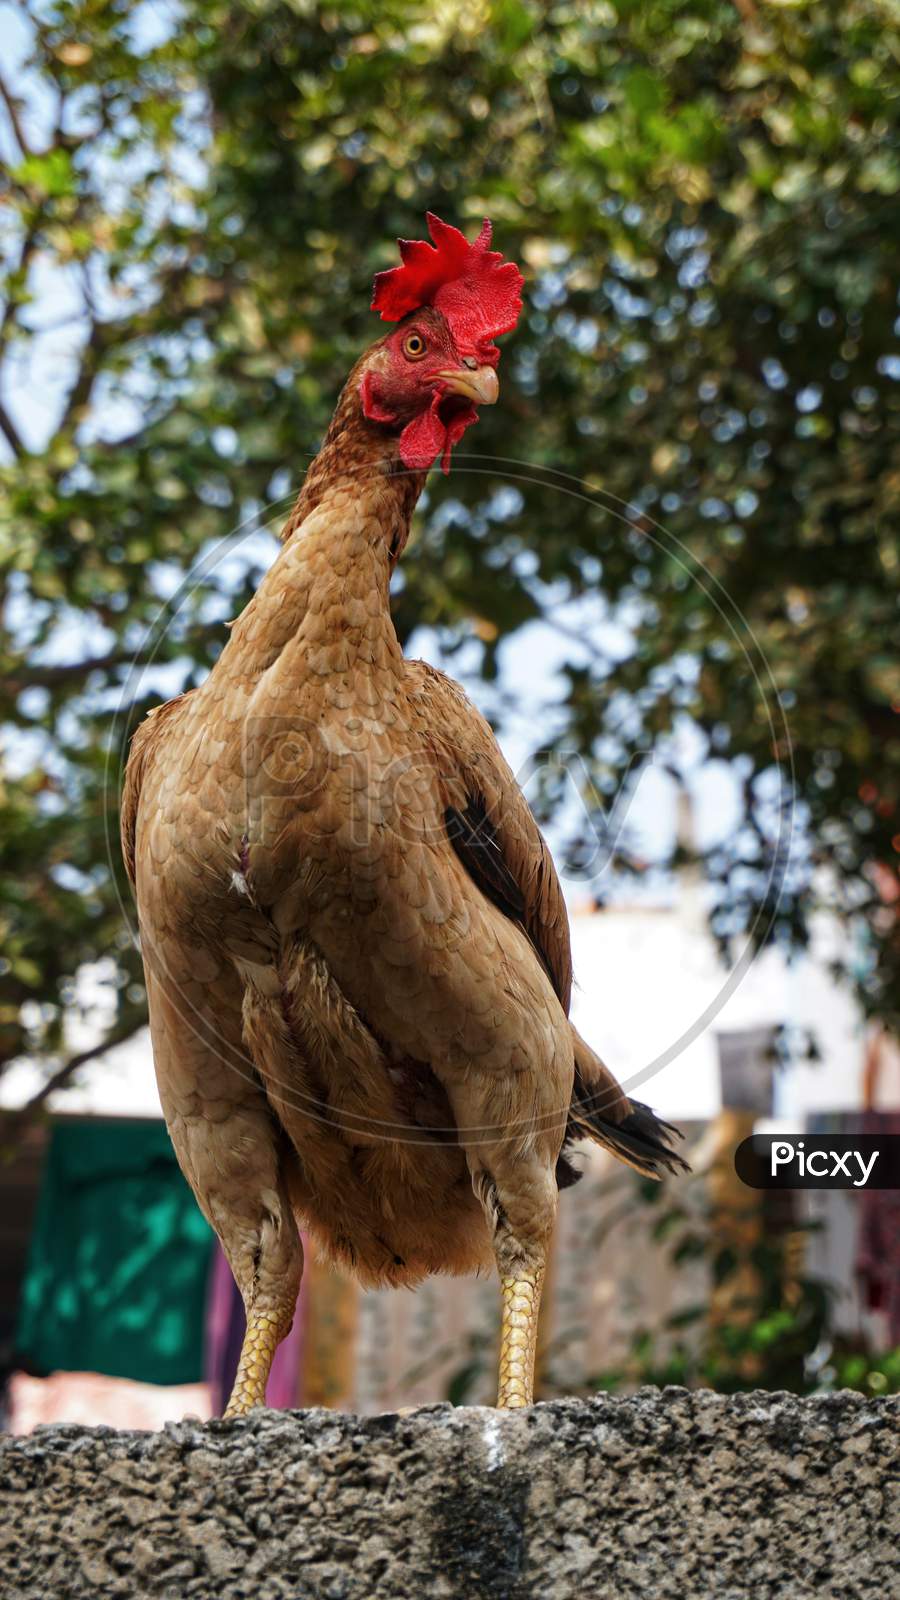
(662, 1494)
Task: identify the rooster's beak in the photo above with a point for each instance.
(478, 384)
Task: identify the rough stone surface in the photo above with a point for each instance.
(663, 1494)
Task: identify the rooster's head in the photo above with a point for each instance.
(426, 379)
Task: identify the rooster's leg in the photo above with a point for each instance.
(265, 1331)
(269, 1283)
(518, 1337)
(519, 1198)
(227, 1145)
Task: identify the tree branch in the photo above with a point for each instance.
(12, 111)
(27, 675)
(11, 432)
(49, 676)
(88, 372)
(9, 319)
(59, 1078)
(110, 335)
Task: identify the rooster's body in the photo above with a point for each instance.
(356, 947)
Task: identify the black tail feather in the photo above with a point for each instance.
(642, 1140)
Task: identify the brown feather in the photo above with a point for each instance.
(359, 1017)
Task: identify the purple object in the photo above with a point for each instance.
(225, 1324)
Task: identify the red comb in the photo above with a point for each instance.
(478, 292)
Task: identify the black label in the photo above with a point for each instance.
(819, 1161)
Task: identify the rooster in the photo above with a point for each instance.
(356, 946)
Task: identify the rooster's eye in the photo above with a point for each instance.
(414, 346)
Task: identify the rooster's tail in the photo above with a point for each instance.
(627, 1128)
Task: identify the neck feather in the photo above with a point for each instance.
(357, 450)
(341, 542)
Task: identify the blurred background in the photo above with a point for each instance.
(666, 566)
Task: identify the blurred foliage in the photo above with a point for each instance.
(760, 1320)
(704, 200)
(777, 1331)
(850, 1368)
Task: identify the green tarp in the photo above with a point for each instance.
(118, 1261)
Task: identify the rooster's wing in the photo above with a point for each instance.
(496, 838)
(489, 823)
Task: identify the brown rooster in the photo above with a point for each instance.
(356, 946)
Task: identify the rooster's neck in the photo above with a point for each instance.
(324, 604)
(363, 457)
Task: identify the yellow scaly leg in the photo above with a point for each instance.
(265, 1331)
(518, 1338)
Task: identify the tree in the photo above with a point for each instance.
(704, 198)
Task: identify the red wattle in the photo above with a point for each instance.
(429, 436)
(422, 440)
(456, 427)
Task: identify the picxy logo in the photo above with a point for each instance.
(820, 1161)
